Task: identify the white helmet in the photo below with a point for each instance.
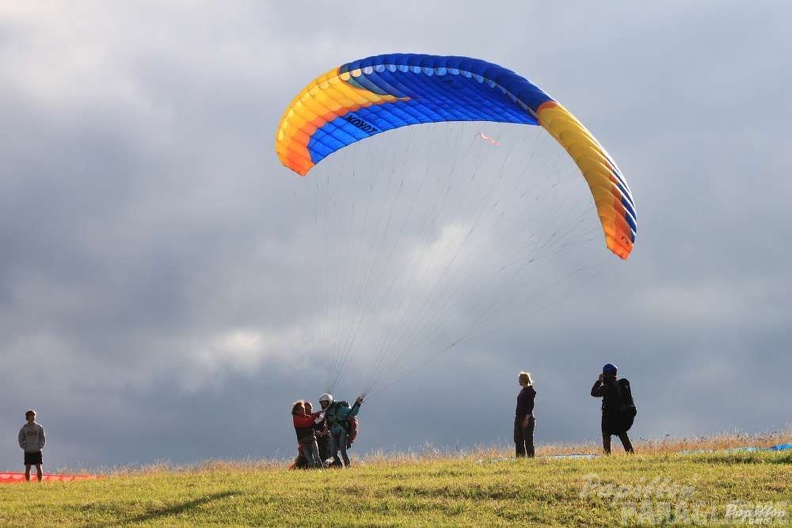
(326, 398)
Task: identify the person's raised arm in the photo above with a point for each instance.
(596, 390)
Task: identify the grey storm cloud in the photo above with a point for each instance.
(155, 276)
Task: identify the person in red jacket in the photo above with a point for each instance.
(524, 421)
(306, 437)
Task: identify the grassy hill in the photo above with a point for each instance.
(662, 484)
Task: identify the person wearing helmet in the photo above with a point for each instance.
(524, 421)
(616, 395)
(324, 434)
(338, 414)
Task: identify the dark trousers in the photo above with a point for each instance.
(524, 436)
(606, 441)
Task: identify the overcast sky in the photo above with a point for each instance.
(153, 302)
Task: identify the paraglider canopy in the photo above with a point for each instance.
(366, 97)
(434, 216)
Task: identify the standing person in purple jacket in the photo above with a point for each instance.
(524, 420)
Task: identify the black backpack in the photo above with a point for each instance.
(627, 408)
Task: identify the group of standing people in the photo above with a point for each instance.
(618, 411)
(328, 433)
(324, 434)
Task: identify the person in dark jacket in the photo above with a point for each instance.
(322, 431)
(524, 420)
(608, 388)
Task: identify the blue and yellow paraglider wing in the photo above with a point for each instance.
(373, 95)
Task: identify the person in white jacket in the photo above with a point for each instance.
(32, 440)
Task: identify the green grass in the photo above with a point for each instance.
(486, 488)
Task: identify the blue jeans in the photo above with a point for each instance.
(338, 442)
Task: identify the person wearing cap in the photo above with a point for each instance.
(609, 388)
(524, 421)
